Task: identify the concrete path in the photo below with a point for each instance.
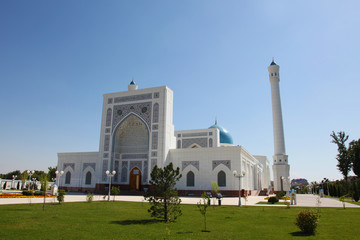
(303, 200)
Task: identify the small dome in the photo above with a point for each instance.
(132, 82)
(225, 136)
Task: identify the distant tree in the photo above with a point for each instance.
(344, 162)
(10, 174)
(24, 176)
(163, 198)
(51, 173)
(354, 155)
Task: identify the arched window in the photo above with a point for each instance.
(210, 142)
(156, 113)
(88, 178)
(68, 178)
(221, 178)
(179, 144)
(108, 117)
(190, 179)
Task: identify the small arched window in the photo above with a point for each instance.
(210, 142)
(88, 178)
(68, 178)
(179, 144)
(221, 178)
(190, 179)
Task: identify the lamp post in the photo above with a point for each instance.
(30, 173)
(328, 188)
(34, 182)
(239, 176)
(13, 179)
(58, 174)
(110, 175)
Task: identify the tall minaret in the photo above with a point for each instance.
(281, 167)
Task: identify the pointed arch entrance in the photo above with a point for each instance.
(135, 179)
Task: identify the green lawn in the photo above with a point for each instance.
(126, 220)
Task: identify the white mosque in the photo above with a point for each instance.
(137, 133)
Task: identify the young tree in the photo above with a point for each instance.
(344, 162)
(44, 184)
(354, 155)
(203, 205)
(164, 201)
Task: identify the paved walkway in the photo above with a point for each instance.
(303, 200)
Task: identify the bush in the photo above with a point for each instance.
(39, 193)
(280, 194)
(27, 193)
(60, 196)
(115, 191)
(273, 200)
(307, 221)
(89, 197)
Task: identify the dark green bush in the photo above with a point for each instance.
(280, 194)
(60, 196)
(39, 193)
(27, 193)
(307, 221)
(273, 200)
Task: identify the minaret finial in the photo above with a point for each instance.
(215, 120)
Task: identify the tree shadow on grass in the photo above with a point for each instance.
(141, 222)
(188, 232)
(300, 234)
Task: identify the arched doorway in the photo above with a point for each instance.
(135, 179)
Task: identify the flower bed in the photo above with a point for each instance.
(19, 195)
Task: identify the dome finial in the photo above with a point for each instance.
(273, 62)
(132, 81)
(215, 120)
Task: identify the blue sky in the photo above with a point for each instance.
(57, 58)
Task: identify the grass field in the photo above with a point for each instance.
(127, 220)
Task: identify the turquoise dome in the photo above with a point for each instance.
(225, 136)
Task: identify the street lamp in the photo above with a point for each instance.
(58, 174)
(34, 182)
(13, 179)
(110, 175)
(30, 173)
(239, 176)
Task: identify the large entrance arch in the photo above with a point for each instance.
(131, 136)
(135, 179)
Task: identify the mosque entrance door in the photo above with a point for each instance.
(135, 179)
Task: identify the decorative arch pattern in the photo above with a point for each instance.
(210, 142)
(108, 117)
(156, 113)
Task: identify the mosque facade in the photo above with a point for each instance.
(137, 133)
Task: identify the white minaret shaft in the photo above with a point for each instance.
(279, 141)
(281, 168)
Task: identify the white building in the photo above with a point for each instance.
(137, 133)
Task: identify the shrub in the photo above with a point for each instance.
(60, 196)
(115, 191)
(307, 221)
(39, 193)
(89, 197)
(273, 200)
(27, 193)
(280, 194)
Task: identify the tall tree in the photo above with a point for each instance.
(354, 155)
(51, 173)
(344, 162)
(163, 198)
